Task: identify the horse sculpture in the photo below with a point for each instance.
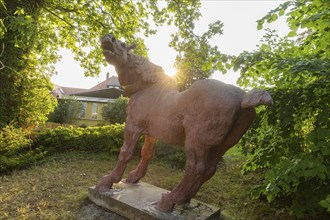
(207, 119)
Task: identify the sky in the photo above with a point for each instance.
(239, 34)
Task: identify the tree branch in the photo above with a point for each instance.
(2, 66)
(62, 19)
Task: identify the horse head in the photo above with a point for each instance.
(134, 71)
(114, 50)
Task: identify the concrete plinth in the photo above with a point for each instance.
(138, 201)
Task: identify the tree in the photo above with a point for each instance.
(115, 112)
(290, 141)
(32, 32)
(24, 93)
(197, 59)
(66, 111)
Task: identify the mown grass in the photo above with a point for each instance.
(57, 188)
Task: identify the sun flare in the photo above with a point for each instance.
(171, 71)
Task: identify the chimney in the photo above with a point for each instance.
(107, 75)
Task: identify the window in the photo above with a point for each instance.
(94, 111)
(83, 110)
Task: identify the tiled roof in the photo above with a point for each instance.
(112, 93)
(111, 81)
(60, 91)
(109, 88)
(70, 91)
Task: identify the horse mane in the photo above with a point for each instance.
(150, 73)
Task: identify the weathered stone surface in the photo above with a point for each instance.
(137, 201)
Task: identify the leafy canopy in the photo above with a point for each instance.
(197, 58)
(32, 32)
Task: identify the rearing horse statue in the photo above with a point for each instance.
(207, 119)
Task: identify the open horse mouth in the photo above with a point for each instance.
(107, 43)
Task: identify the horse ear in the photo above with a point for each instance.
(131, 47)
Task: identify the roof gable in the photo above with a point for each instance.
(108, 83)
(112, 93)
(109, 88)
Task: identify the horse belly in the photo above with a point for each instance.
(169, 131)
(210, 123)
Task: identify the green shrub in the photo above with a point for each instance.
(101, 139)
(172, 155)
(60, 139)
(290, 141)
(16, 149)
(115, 112)
(67, 109)
(106, 138)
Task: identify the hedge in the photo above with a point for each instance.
(18, 148)
(95, 139)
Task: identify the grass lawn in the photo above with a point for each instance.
(57, 188)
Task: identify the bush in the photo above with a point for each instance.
(116, 112)
(290, 141)
(16, 148)
(172, 155)
(66, 111)
(102, 139)
(106, 138)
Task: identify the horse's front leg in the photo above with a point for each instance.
(147, 153)
(131, 136)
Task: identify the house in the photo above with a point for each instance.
(92, 99)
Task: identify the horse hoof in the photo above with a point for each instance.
(132, 178)
(102, 189)
(164, 205)
(104, 185)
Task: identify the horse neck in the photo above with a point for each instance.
(167, 84)
(131, 76)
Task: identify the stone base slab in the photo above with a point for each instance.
(138, 202)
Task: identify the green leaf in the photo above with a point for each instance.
(292, 33)
(326, 203)
(274, 17)
(228, 66)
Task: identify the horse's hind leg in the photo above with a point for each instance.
(202, 162)
(192, 179)
(209, 165)
(241, 125)
(147, 153)
(131, 136)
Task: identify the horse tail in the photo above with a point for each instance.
(256, 97)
